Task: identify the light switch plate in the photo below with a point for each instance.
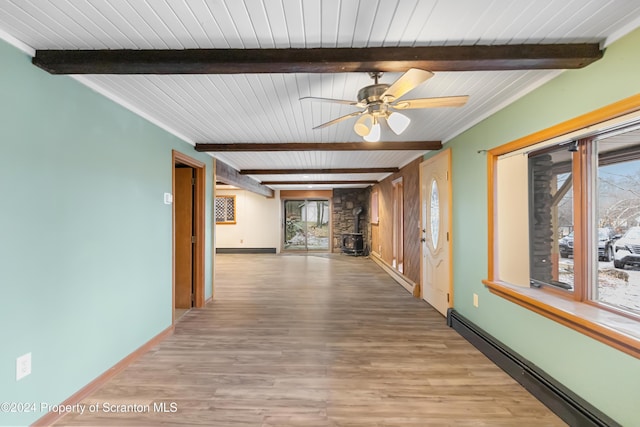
(168, 198)
(23, 366)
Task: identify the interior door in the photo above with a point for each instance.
(183, 201)
(435, 183)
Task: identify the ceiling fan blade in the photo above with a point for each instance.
(445, 101)
(339, 119)
(409, 80)
(335, 101)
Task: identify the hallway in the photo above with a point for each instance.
(324, 340)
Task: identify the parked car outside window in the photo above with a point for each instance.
(566, 245)
(627, 249)
(606, 239)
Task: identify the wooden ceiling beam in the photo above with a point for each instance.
(318, 60)
(315, 171)
(230, 176)
(321, 146)
(368, 181)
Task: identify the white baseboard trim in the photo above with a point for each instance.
(395, 274)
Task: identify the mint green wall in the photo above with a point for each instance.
(607, 378)
(85, 238)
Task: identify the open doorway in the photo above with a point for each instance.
(398, 225)
(188, 234)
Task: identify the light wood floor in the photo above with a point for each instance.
(315, 341)
(179, 312)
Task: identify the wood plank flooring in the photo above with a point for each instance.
(314, 341)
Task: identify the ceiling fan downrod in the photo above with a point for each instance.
(375, 75)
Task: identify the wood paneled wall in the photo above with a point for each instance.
(382, 234)
(374, 245)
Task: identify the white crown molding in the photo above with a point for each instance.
(17, 43)
(621, 32)
(115, 98)
(97, 88)
(488, 113)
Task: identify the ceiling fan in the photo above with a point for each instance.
(381, 101)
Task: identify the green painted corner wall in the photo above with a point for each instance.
(605, 377)
(85, 238)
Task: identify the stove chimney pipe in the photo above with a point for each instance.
(356, 213)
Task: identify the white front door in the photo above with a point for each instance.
(435, 195)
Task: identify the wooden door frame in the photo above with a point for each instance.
(306, 195)
(200, 168)
(444, 153)
(397, 226)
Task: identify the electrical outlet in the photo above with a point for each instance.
(23, 366)
(475, 300)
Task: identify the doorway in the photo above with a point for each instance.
(188, 233)
(307, 225)
(398, 225)
(435, 205)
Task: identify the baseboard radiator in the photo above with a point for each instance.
(245, 250)
(574, 410)
(395, 274)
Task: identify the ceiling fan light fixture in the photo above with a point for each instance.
(381, 100)
(374, 135)
(364, 125)
(398, 122)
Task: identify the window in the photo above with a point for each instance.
(225, 209)
(565, 231)
(550, 213)
(610, 180)
(616, 225)
(434, 214)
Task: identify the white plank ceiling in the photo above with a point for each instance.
(265, 108)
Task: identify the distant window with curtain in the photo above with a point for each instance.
(225, 209)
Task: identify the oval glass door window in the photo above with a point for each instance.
(434, 214)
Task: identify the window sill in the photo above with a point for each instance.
(610, 328)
